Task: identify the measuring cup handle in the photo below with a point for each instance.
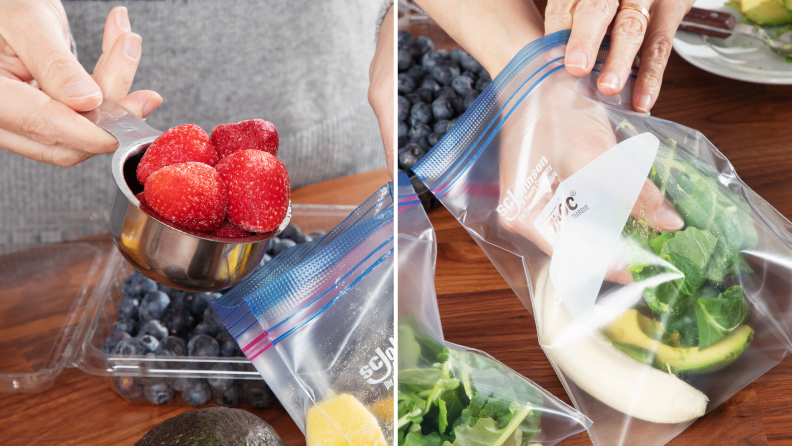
(123, 125)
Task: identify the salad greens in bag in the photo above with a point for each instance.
(649, 324)
(317, 323)
(449, 394)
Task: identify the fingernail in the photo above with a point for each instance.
(81, 89)
(577, 59)
(668, 218)
(644, 102)
(132, 46)
(152, 104)
(122, 19)
(610, 80)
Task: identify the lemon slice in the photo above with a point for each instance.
(342, 420)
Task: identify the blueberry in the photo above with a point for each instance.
(127, 325)
(402, 140)
(445, 92)
(430, 84)
(457, 55)
(220, 383)
(203, 345)
(317, 234)
(481, 84)
(417, 73)
(264, 260)
(257, 394)
(420, 130)
(425, 94)
(154, 328)
(228, 346)
(463, 85)
(178, 320)
(445, 72)
(451, 123)
(484, 74)
(422, 141)
(230, 397)
(210, 318)
(406, 84)
(173, 346)
(158, 394)
(441, 126)
(289, 232)
(151, 344)
(153, 305)
(405, 39)
(469, 63)
(404, 108)
(404, 59)
(271, 245)
(182, 383)
(470, 74)
(421, 45)
(197, 395)
(282, 246)
(203, 329)
(407, 160)
(127, 308)
(128, 387)
(459, 104)
(469, 100)
(130, 347)
(429, 60)
(402, 129)
(136, 285)
(434, 138)
(302, 238)
(113, 339)
(442, 108)
(421, 112)
(418, 151)
(196, 303)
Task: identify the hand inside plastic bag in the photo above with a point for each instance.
(569, 131)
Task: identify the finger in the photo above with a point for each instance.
(141, 103)
(55, 155)
(116, 73)
(558, 15)
(32, 114)
(37, 38)
(116, 25)
(655, 51)
(656, 210)
(627, 35)
(589, 24)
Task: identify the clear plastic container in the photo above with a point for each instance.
(57, 306)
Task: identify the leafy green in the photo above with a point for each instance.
(460, 398)
(719, 316)
(694, 245)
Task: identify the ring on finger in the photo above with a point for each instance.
(636, 7)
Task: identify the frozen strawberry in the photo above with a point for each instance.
(181, 144)
(258, 189)
(228, 229)
(255, 134)
(142, 199)
(189, 194)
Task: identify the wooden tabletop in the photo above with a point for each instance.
(80, 409)
(752, 125)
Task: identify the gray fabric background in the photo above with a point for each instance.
(302, 64)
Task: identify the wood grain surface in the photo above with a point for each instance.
(752, 125)
(81, 409)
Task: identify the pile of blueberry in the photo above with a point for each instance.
(155, 320)
(435, 88)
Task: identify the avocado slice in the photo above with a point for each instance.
(627, 332)
(765, 12)
(215, 426)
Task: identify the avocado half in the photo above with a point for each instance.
(626, 333)
(766, 12)
(214, 426)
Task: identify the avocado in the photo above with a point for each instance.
(627, 333)
(214, 426)
(766, 12)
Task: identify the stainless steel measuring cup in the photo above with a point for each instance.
(174, 257)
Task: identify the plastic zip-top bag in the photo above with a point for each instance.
(454, 395)
(650, 320)
(317, 323)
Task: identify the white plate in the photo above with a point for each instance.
(737, 57)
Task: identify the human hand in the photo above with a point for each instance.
(43, 86)
(570, 131)
(380, 92)
(631, 34)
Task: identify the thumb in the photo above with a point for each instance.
(654, 208)
(46, 53)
